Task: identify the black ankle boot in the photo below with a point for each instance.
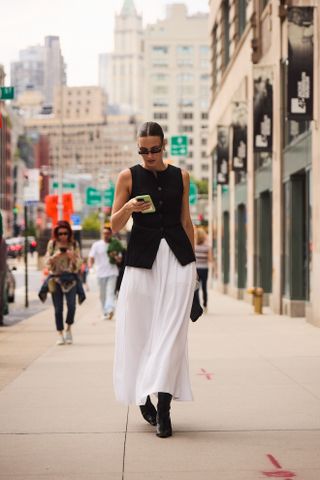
(149, 412)
(164, 428)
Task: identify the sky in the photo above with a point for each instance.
(85, 29)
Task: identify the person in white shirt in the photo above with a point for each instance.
(107, 273)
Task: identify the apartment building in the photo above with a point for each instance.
(265, 144)
(83, 139)
(177, 84)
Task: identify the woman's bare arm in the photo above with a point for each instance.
(123, 206)
(185, 211)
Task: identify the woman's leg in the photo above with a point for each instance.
(203, 275)
(164, 427)
(57, 300)
(71, 305)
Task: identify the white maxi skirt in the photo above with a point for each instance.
(152, 319)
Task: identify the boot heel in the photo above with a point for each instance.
(164, 427)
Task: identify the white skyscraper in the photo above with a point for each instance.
(177, 84)
(127, 60)
(54, 68)
(28, 72)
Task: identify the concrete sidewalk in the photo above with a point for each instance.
(256, 413)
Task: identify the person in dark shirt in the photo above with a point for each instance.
(157, 289)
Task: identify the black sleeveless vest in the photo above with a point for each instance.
(166, 190)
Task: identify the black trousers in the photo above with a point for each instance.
(203, 277)
(57, 299)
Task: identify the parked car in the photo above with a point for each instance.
(15, 246)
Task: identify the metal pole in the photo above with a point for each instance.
(60, 166)
(26, 304)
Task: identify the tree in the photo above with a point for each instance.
(92, 222)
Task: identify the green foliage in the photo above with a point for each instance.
(31, 229)
(92, 222)
(202, 185)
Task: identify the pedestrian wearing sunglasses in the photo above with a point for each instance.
(155, 298)
(63, 261)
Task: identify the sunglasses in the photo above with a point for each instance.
(146, 151)
(62, 233)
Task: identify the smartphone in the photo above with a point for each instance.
(146, 198)
(63, 249)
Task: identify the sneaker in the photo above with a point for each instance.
(69, 338)
(60, 340)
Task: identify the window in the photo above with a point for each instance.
(190, 155)
(242, 16)
(160, 115)
(160, 50)
(184, 50)
(160, 102)
(160, 77)
(184, 62)
(185, 78)
(187, 128)
(205, 77)
(225, 33)
(186, 115)
(204, 116)
(160, 90)
(204, 141)
(204, 50)
(204, 167)
(203, 154)
(214, 65)
(186, 102)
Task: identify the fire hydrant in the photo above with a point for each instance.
(257, 299)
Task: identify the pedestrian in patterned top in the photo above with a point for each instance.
(156, 293)
(63, 261)
(203, 261)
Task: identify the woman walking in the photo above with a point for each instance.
(157, 289)
(63, 262)
(203, 260)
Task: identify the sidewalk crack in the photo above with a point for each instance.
(125, 444)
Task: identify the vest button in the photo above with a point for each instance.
(159, 188)
(161, 202)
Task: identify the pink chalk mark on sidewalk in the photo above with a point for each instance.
(285, 474)
(206, 374)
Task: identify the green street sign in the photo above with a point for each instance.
(193, 193)
(108, 196)
(179, 145)
(6, 93)
(65, 185)
(93, 197)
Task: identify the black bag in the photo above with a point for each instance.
(196, 309)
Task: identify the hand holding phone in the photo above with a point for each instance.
(147, 199)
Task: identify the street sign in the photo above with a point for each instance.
(31, 187)
(108, 196)
(179, 145)
(6, 93)
(193, 193)
(93, 197)
(76, 219)
(66, 185)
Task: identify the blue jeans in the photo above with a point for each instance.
(57, 299)
(107, 287)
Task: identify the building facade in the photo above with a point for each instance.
(28, 72)
(126, 61)
(6, 182)
(40, 68)
(83, 140)
(177, 87)
(264, 201)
